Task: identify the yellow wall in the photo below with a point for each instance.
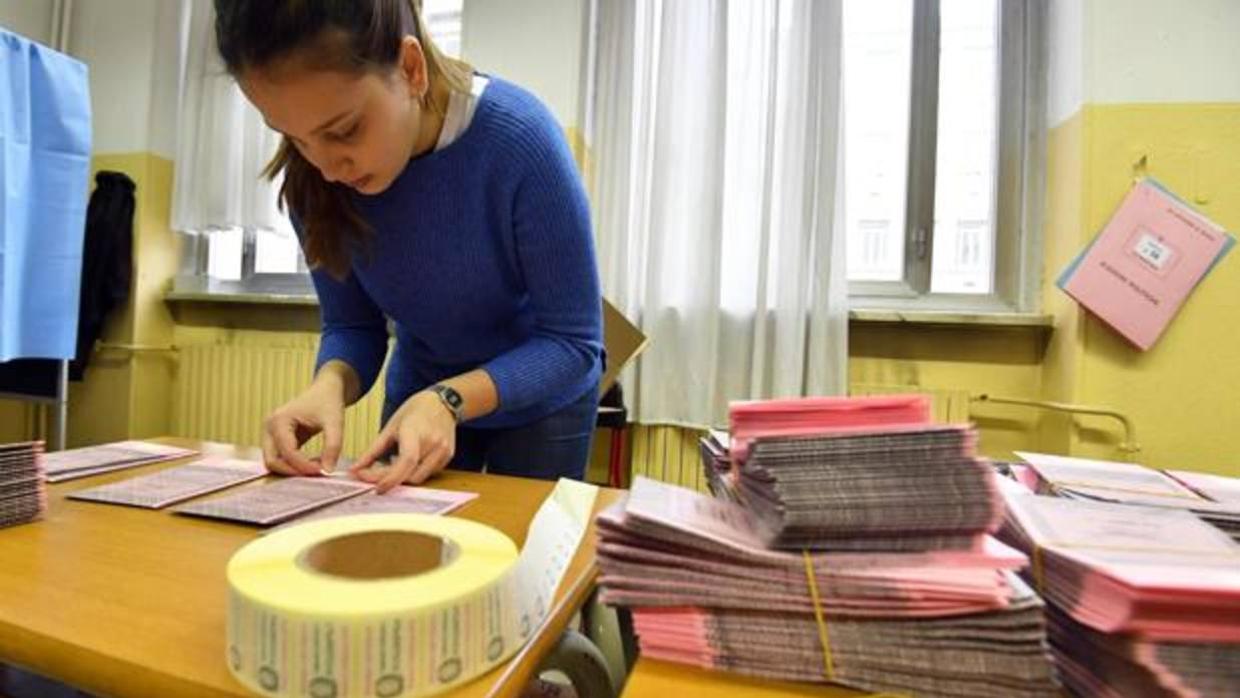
(998, 361)
(1182, 393)
(1066, 189)
(15, 421)
(125, 391)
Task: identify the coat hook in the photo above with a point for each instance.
(1140, 168)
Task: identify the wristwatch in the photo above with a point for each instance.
(450, 399)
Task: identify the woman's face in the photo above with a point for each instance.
(358, 130)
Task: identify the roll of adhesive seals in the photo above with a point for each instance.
(390, 605)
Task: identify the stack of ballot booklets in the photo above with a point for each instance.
(706, 590)
(1146, 600)
(1117, 665)
(1213, 499)
(854, 473)
(23, 492)
(884, 488)
(95, 460)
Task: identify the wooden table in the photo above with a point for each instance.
(123, 601)
(651, 677)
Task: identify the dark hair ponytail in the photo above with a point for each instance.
(345, 35)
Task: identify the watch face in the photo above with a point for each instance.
(450, 396)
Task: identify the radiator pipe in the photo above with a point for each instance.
(1129, 445)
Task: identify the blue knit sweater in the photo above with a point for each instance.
(482, 256)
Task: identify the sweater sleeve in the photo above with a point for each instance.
(354, 330)
(555, 251)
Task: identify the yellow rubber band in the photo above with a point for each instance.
(823, 637)
(1038, 569)
(1128, 490)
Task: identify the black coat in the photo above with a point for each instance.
(107, 260)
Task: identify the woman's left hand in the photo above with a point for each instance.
(424, 432)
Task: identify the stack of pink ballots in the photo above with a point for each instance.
(1213, 499)
(754, 419)
(706, 590)
(23, 492)
(1146, 600)
(866, 473)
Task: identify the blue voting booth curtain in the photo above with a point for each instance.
(45, 145)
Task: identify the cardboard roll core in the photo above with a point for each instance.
(373, 555)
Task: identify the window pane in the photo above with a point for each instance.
(878, 43)
(275, 252)
(443, 21)
(966, 170)
(224, 253)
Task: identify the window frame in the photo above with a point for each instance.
(1021, 160)
(1020, 190)
(192, 278)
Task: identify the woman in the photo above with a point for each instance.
(446, 202)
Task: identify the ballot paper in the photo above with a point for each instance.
(401, 499)
(1225, 490)
(279, 501)
(176, 484)
(94, 460)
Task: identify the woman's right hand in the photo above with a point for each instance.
(319, 409)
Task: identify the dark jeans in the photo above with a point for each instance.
(555, 446)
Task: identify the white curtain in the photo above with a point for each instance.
(222, 142)
(713, 130)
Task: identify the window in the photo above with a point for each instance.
(941, 158)
(443, 21)
(267, 259)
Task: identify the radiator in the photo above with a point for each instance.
(668, 454)
(223, 392)
(947, 405)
